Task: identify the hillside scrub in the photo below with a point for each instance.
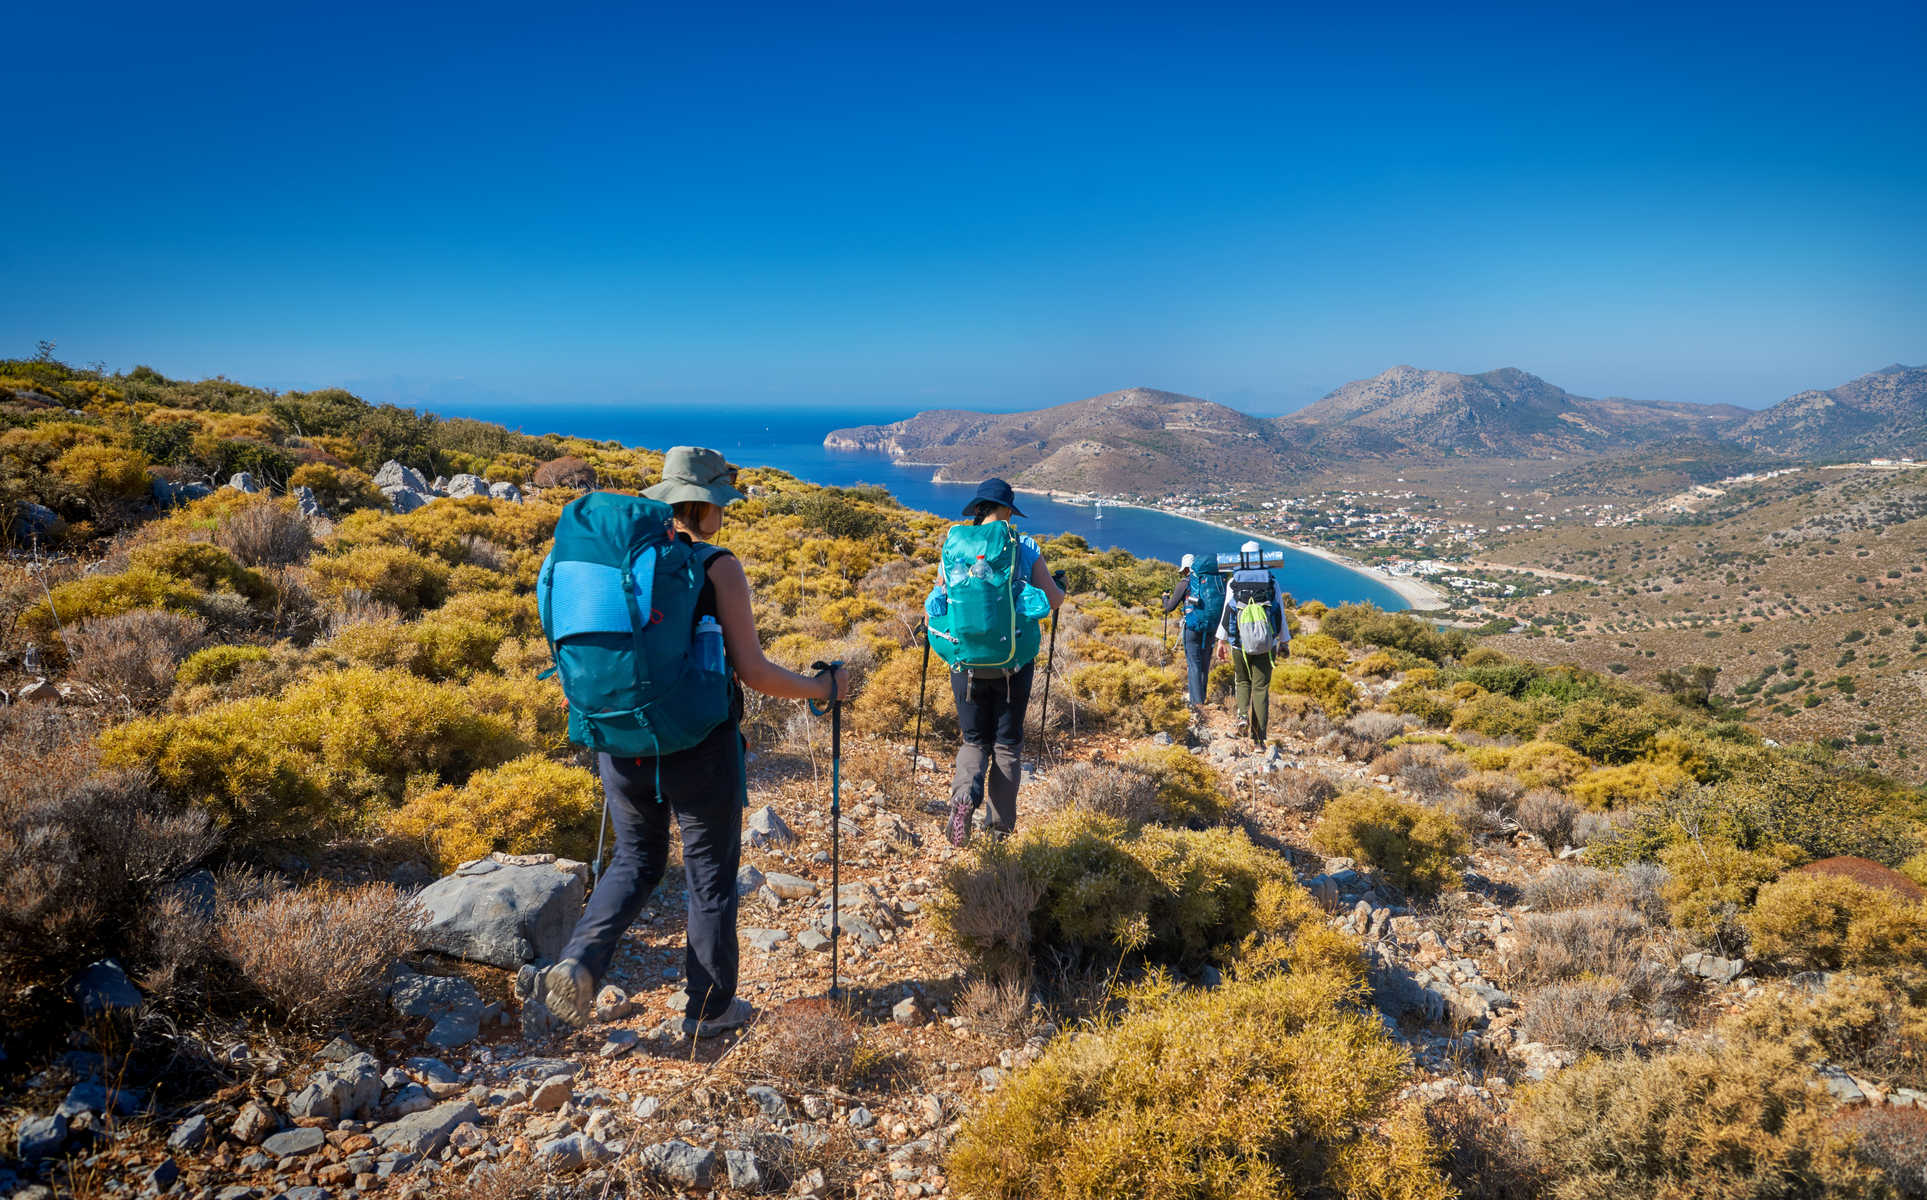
(1098, 887)
(1410, 844)
(1292, 1093)
(1737, 1123)
(1826, 922)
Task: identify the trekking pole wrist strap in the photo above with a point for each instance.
(823, 706)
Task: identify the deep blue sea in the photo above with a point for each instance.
(792, 440)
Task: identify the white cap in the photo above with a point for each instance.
(1249, 548)
(1184, 564)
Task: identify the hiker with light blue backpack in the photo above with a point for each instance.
(654, 638)
(993, 588)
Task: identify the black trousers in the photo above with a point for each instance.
(703, 786)
(990, 712)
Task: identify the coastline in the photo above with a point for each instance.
(1418, 596)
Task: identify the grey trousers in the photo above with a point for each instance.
(991, 714)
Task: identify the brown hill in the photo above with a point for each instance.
(1882, 413)
(1506, 413)
(1137, 441)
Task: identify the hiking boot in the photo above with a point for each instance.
(569, 991)
(736, 1016)
(960, 824)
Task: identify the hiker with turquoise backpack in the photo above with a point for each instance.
(1254, 631)
(654, 638)
(992, 589)
(1200, 592)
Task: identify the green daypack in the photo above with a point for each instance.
(989, 616)
(617, 599)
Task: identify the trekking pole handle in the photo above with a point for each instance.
(822, 707)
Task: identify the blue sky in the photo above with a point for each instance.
(910, 206)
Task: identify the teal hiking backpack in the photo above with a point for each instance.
(617, 598)
(1206, 594)
(989, 616)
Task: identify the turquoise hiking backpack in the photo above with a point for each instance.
(1206, 594)
(982, 616)
(617, 598)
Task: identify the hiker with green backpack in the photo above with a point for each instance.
(654, 638)
(992, 589)
(1254, 631)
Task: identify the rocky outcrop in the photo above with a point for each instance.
(502, 913)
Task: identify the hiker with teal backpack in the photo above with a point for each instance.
(654, 637)
(992, 589)
(1200, 592)
(1254, 631)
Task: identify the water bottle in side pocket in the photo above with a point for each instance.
(709, 645)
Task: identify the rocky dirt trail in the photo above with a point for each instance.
(790, 1105)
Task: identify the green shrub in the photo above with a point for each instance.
(1095, 886)
(1130, 698)
(1366, 625)
(94, 596)
(1827, 922)
(528, 805)
(1324, 686)
(1624, 786)
(1267, 1087)
(1736, 1123)
(1414, 699)
(217, 664)
(390, 574)
(1412, 845)
(1606, 732)
(1869, 1024)
(339, 490)
(1320, 650)
(1497, 716)
(205, 566)
(329, 751)
(1189, 790)
(1712, 881)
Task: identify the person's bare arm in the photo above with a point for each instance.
(746, 650)
(1041, 580)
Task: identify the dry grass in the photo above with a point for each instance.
(1549, 816)
(1483, 1155)
(1602, 940)
(267, 533)
(1635, 886)
(1587, 1016)
(998, 1008)
(1428, 770)
(318, 953)
(133, 656)
(1113, 789)
(1305, 791)
(1895, 1141)
(810, 1040)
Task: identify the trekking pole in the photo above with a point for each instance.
(916, 744)
(836, 812)
(1043, 716)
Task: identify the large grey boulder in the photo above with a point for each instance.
(37, 520)
(405, 500)
(427, 1132)
(465, 485)
(504, 490)
(243, 481)
(104, 988)
(452, 1004)
(346, 1091)
(41, 1137)
(677, 1161)
(501, 914)
(394, 475)
(306, 501)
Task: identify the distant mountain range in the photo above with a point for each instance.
(1145, 441)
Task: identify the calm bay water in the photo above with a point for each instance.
(792, 440)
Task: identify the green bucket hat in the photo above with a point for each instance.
(695, 473)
